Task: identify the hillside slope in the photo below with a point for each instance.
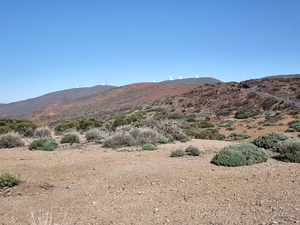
(54, 99)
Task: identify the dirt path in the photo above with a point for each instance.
(93, 185)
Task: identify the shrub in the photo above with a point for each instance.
(210, 134)
(137, 117)
(239, 154)
(5, 129)
(270, 140)
(236, 136)
(250, 126)
(96, 134)
(61, 127)
(85, 124)
(45, 144)
(42, 132)
(192, 150)
(294, 125)
(175, 116)
(10, 140)
(177, 153)
(244, 114)
(162, 139)
(142, 136)
(70, 138)
(290, 150)
(149, 147)
(205, 124)
(118, 139)
(9, 180)
(230, 126)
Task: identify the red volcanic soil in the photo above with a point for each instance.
(109, 102)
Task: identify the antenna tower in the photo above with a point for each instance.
(105, 80)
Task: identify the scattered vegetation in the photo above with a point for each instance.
(270, 140)
(192, 150)
(11, 140)
(86, 124)
(210, 134)
(9, 180)
(205, 124)
(177, 153)
(45, 144)
(251, 126)
(239, 154)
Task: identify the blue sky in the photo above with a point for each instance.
(47, 46)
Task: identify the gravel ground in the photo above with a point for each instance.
(92, 185)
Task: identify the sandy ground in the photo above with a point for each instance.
(93, 185)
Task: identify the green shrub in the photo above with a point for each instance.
(42, 132)
(294, 125)
(225, 112)
(239, 154)
(135, 118)
(11, 140)
(177, 153)
(86, 124)
(250, 126)
(175, 116)
(50, 145)
(205, 124)
(5, 129)
(9, 180)
(45, 144)
(96, 134)
(162, 139)
(192, 150)
(60, 128)
(70, 138)
(210, 134)
(25, 127)
(149, 147)
(236, 136)
(290, 150)
(230, 126)
(270, 140)
(244, 114)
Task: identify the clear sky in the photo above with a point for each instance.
(47, 46)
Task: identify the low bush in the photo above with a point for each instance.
(230, 126)
(162, 139)
(236, 136)
(142, 136)
(86, 124)
(270, 140)
(70, 138)
(294, 125)
(9, 180)
(210, 134)
(61, 127)
(11, 140)
(118, 139)
(45, 144)
(205, 124)
(251, 126)
(290, 150)
(149, 147)
(239, 154)
(193, 150)
(96, 134)
(42, 132)
(244, 114)
(175, 116)
(177, 153)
